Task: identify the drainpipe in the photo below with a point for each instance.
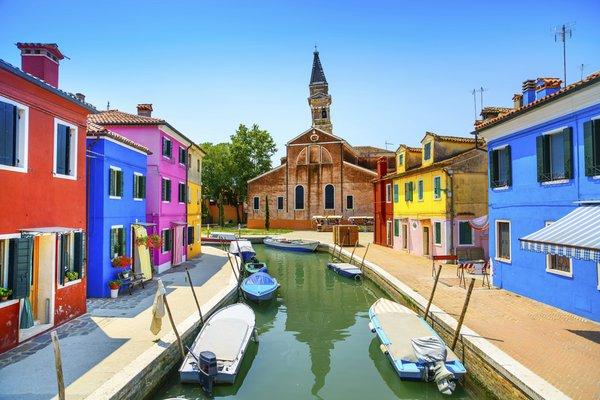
(450, 193)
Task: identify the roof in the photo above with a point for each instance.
(435, 165)
(455, 139)
(51, 47)
(576, 235)
(371, 151)
(100, 131)
(494, 109)
(412, 149)
(317, 75)
(589, 80)
(37, 81)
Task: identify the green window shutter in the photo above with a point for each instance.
(143, 187)
(135, 186)
(588, 145)
(395, 193)
(542, 167)
(411, 187)
(465, 233)
(508, 165)
(568, 149)
(493, 168)
(110, 181)
(20, 251)
(78, 252)
(121, 241)
(119, 183)
(396, 228)
(8, 134)
(111, 248)
(405, 191)
(64, 258)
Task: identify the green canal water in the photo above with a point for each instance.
(314, 342)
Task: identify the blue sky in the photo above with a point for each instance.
(395, 69)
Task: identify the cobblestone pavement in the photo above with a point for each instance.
(562, 348)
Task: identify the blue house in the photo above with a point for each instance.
(116, 205)
(544, 194)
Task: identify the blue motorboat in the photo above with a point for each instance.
(242, 248)
(413, 347)
(259, 286)
(345, 269)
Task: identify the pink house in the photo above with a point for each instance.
(166, 181)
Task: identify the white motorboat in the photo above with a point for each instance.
(293, 245)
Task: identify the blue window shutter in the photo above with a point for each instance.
(8, 134)
(20, 258)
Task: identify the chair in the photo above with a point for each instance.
(131, 281)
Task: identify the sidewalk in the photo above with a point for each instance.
(560, 347)
(98, 345)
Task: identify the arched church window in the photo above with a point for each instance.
(323, 113)
(329, 194)
(299, 198)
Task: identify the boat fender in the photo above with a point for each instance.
(255, 335)
(371, 327)
(383, 349)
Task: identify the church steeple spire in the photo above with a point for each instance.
(319, 99)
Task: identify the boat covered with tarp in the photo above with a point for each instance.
(413, 347)
(345, 269)
(292, 244)
(242, 248)
(259, 286)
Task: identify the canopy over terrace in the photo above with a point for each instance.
(576, 235)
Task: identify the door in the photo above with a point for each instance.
(404, 236)
(35, 269)
(425, 240)
(177, 250)
(388, 229)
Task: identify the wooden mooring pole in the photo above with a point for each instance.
(232, 267)
(179, 343)
(353, 250)
(58, 364)
(437, 277)
(362, 263)
(187, 271)
(462, 314)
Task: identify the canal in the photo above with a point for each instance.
(314, 342)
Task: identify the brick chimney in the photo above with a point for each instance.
(41, 60)
(546, 86)
(517, 101)
(528, 91)
(382, 166)
(144, 110)
(80, 97)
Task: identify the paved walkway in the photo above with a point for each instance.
(558, 346)
(114, 332)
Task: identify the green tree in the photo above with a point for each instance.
(217, 174)
(251, 152)
(267, 215)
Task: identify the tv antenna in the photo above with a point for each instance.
(581, 68)
(474, 93)
(388, 143)
(563, 33)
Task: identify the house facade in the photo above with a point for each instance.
(383, 205)
(437, 190)
(116, 206)
(194, 200)
(544, 194)
(42, 200)
(321, 174)
(166, 183)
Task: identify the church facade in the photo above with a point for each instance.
(321, 174)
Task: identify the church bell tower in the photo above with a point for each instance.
(319, 99)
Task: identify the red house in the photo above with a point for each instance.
(384, 205)
(42, 197)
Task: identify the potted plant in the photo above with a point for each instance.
(121, 262)
(126, 272)
(4, 293)
(71, 276)
(142, 241)
(154, 241)
(114, 286)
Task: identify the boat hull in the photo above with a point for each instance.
(252, 268)
(345, 270)
(308, 247)
(260, 297)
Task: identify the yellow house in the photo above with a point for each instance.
(194, 200)
(437, 189)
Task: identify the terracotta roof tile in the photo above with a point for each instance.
(371, 151)
(593, 78)
(98, 130)
(116, 117)
(456, 139)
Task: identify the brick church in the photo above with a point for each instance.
(321, 174)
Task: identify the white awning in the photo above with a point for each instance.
(576, 235)
(49, 230)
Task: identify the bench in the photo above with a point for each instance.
(132, 280)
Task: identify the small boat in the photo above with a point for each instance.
(293, 245)
(226, 334)
(253, 267)
(413, 347)
(242, 248)
(259, 286)
(345, 269)
(219, 238)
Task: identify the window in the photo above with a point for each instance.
(500, 167)
(166, 147)
(329, 196)
(437, 187)
(323, 113)
(503, 241)
(396, 227)
(554, 156)
(420, 190)
(71, 255)
(396, 194)
(117, 241)
(388, 193)
(349, 202)
(465, 233)
(65, 150)
(591, 140)
(437, 233)
(256, 203)
(4, 263)
(404, 236)
(401, 159)
(299, 198)
(167, 240)
(427, 151)
(115, 183)
(190, 235)
(556, 264)
(408, 191)
(182, 156)
(166, 190)
(181, 192)
(139, 186)
(280, 203)
(14, 119)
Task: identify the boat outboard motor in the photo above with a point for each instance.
(208, 370)
(431, 351)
